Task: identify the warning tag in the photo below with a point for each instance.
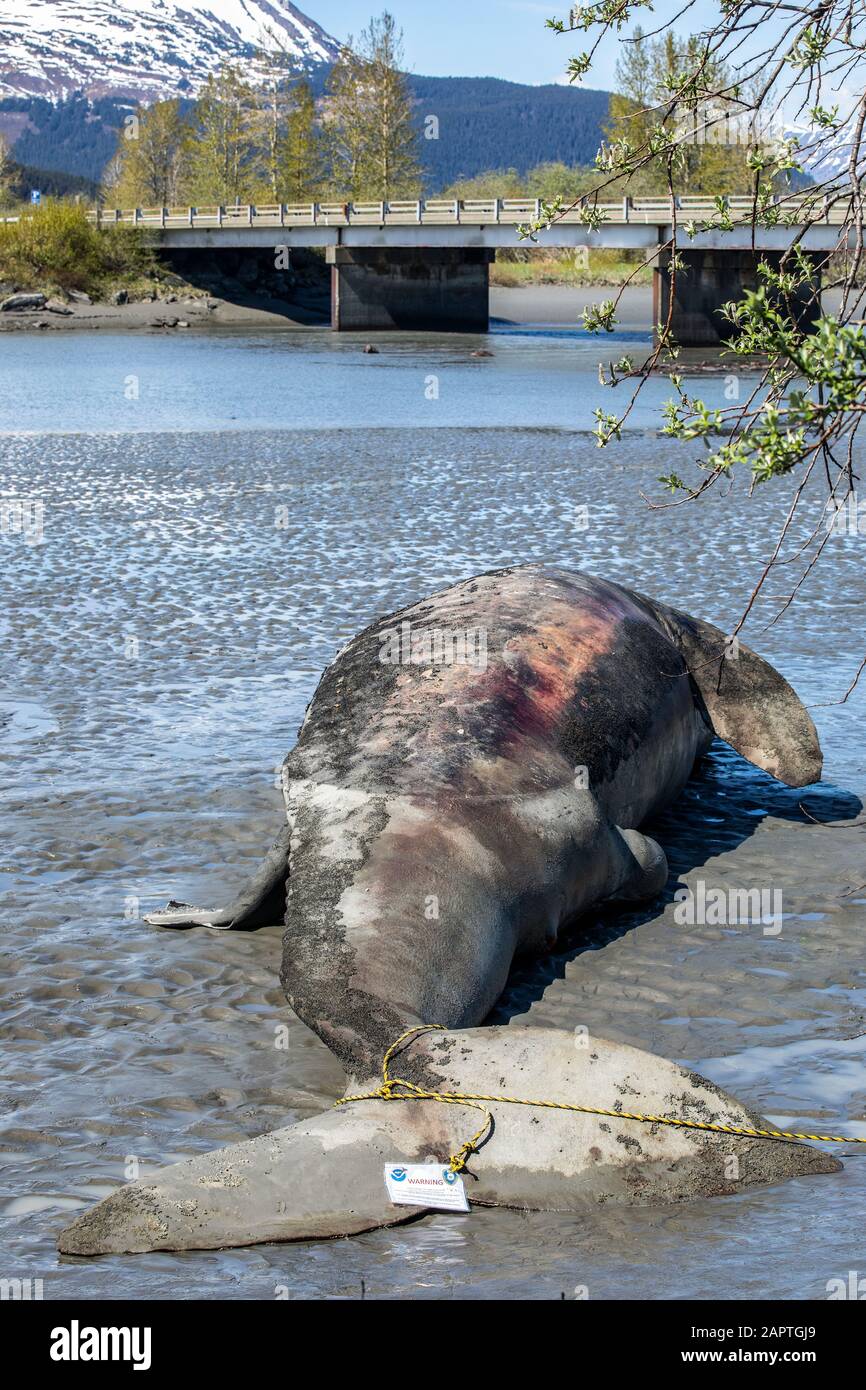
(425, 1185)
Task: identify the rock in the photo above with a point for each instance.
(171, 299)
(22, 303)
(56, 306)
(164, 323)
(120, 297)
(80, 297)
(183, 323)
(370, 348)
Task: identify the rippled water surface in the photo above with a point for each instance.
(159, 646)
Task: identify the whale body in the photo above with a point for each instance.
(468, 781)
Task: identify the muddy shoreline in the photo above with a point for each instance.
(554, 306)
(549, 305)
(175, 315)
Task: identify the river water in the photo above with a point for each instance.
(218, 515)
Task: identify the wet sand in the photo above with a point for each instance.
(543, 304)
(159, 649)
(563, 305)
(555, 305)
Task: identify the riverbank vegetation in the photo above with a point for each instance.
(577, 269)
(55, 248)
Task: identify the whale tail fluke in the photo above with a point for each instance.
(749, 705)
(324, 1177)
(317, 1179)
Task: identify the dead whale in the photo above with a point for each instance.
(468, 780)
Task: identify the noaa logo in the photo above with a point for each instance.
(398, 1174)
(449, 1176)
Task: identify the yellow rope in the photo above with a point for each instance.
(398, 1088)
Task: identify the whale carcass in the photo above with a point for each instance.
(469, 780)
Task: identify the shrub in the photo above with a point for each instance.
(55, 244)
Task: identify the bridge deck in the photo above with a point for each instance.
(492, 223)
(438, 212)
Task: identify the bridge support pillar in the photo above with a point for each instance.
(426, 289)
(711, 279)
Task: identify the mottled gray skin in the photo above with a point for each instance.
(443, 818)
(497, 798)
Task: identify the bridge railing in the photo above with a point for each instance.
(442, 212)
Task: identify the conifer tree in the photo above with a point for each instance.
(289, 140)
(6, 164)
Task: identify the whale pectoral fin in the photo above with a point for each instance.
(748, 703)
(645, 870)
(262, 902)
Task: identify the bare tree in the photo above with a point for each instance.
(369, 117)
(792, 74)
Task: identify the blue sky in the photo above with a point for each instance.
(490, 38)
(463, 38)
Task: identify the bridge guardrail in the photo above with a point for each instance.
(440, 211)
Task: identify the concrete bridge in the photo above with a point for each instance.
(425, 265)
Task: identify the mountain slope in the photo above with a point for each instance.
(486, 123)
(70, 70)
(143, 49)
(73, 136)
(483, 124)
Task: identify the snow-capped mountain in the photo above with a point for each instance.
(828, 160)
(145, 49)
(824, 155)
